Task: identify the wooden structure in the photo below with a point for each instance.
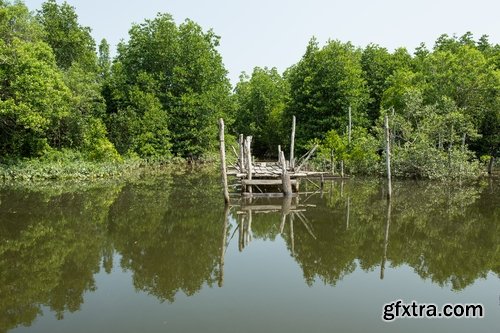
(269, 178)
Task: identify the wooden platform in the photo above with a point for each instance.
(267, 177)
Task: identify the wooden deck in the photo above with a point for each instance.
(281, 177)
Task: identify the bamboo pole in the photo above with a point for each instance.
(388, 157)
(223, 160)
(292, 145)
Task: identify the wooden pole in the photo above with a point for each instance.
(285, 177)
(223, 160)
(292, 145)
(388, 157)
(279, 154)
(248, 144)
(242, 153)
(307, 157)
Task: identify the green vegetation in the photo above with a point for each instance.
(160, 97)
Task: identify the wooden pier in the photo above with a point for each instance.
(266, 178)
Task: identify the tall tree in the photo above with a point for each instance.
(182, 68)
(70, 41)
(260, 102)
(323, 85)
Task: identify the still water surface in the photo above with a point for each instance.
(161, 254)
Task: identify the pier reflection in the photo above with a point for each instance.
(172, 235)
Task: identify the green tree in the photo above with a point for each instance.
(35, 102)
(323, 85)
(184, 72)
(260, 102)
(70, 41)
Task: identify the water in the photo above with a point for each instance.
(156, 254)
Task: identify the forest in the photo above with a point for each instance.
(65, 103)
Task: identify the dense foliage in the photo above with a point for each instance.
(160, 97)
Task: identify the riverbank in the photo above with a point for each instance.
(35, 170)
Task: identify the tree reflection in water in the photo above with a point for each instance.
(171, 233)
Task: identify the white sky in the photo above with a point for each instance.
(275, 33)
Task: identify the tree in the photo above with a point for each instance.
(104, 59)
(260, 102)
(378, 65)
(323, 85)
(34, 102)
(184, 72)
(70, 41)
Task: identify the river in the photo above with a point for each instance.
(162, 254)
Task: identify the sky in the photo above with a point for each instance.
(275, 33)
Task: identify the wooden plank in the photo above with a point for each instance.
(265, 181)
(266, 195)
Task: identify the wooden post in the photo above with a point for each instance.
(279, 154)
(242, 154)
(248, 144)
(388, 157)
(342, 168)
(223, 160)
(349, 128)
(285, 177)
(292, 145)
